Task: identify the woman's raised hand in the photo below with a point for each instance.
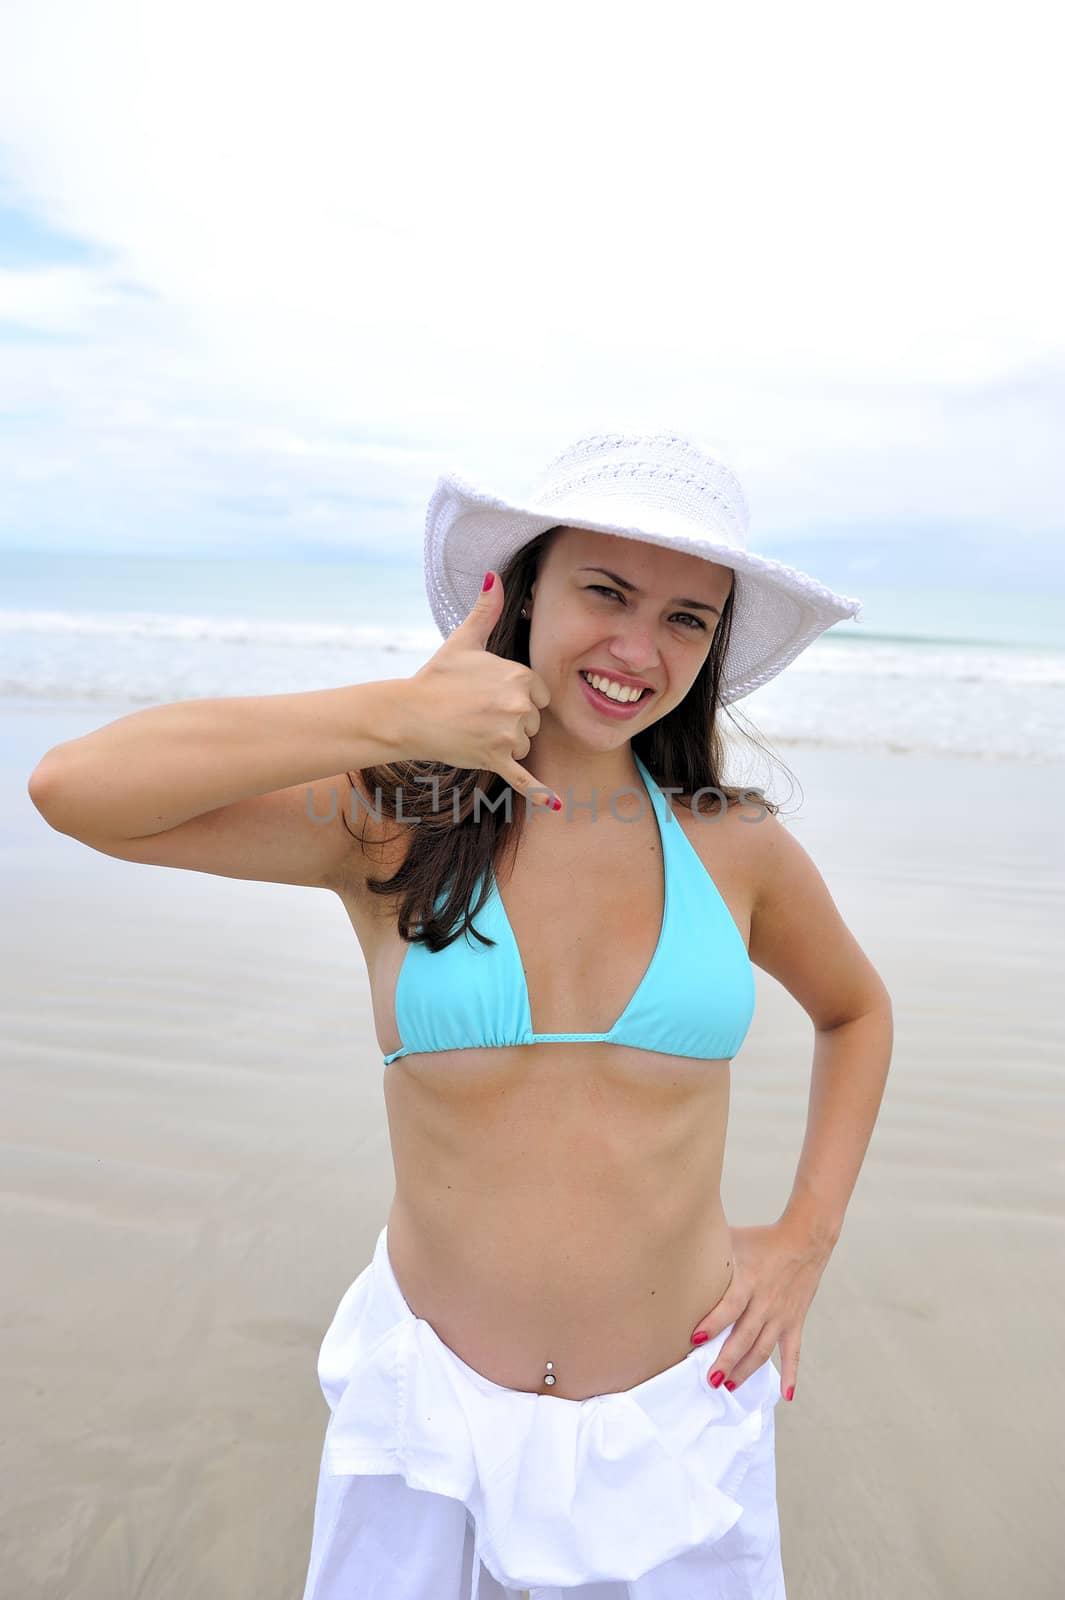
(478, 710)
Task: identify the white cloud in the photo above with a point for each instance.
(467, 232)
(53, 299)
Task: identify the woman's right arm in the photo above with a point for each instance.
(230, 786)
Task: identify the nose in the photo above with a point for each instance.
(634, 650)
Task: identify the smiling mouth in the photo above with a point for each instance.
(632, 700)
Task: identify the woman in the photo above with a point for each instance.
(555, 1375)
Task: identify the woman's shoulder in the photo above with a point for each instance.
(724, 804)
(732, 832)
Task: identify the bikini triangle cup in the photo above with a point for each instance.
(696, 997)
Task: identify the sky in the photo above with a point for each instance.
(267, 270)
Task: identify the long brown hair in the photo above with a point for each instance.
(451, 848)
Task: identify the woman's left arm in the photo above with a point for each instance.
(799, 938)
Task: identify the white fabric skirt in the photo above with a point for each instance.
(438, 1484)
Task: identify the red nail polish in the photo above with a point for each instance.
(729, 1385)
(789, 1392)
(489, 579)
(700, 1337)
(716, 1379)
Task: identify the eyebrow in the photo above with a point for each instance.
(696, 605)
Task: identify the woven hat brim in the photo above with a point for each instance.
(778, 610)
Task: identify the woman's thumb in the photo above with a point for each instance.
(485, 613)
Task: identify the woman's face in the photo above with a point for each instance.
(623, 610)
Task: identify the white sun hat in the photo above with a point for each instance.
(661, 488)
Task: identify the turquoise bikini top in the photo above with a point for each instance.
(695, 999)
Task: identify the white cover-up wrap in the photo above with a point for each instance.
(560, 1492)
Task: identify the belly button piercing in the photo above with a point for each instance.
(549, 1376)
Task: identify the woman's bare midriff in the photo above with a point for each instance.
(559, 1202)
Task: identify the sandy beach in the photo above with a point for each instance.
(196, 1166)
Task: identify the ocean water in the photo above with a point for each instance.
(934, 671)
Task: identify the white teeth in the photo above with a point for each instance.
(613, 691)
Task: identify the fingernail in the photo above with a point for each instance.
(489, 579)
(729, 1384)
(556, 803)
(716, 1379)
(789, 1392)
(700, 1337)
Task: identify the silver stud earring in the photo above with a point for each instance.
(524, 612)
